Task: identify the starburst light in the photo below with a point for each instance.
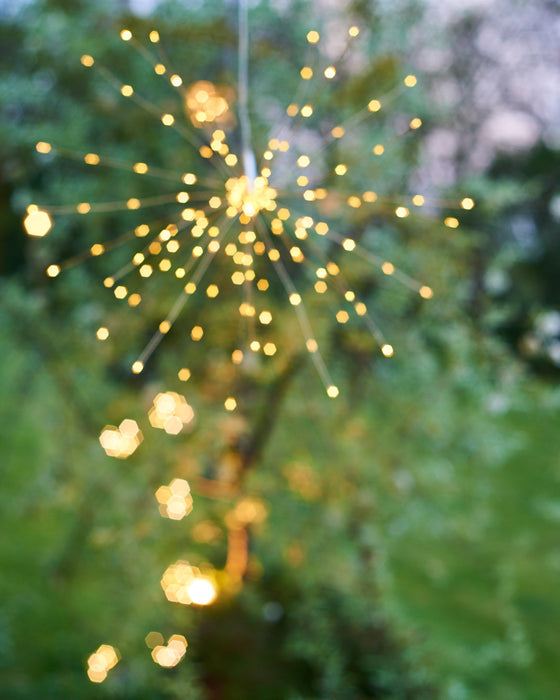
(277, 213)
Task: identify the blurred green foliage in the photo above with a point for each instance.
(410, 546)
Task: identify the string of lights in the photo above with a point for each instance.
(266, 217)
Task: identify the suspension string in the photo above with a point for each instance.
(249, 161)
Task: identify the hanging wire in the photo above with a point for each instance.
(249, 161)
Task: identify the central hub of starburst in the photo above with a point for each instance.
(246, 198)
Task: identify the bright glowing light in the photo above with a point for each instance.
(426, 292)
(208, 104)
(202, 591)
(185, 584)
(342, 316)
(171, 412)
(247, 199)
(37, 223)
(170, 655)
(244, 200)
(121, 442)
(230, 404)
(295, 299)
(103, 660)
(175, 500)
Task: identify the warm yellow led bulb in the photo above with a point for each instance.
(230, 404)
(426, 292)
(37, 223)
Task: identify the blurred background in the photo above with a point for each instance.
(400, 541)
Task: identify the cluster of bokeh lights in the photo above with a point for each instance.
(101, 662)
(167, 655)
(268, 223)
(121, 442)
(175, 501)
(170, 412)
(187, 585)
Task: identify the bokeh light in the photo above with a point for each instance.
(170, 655)
(37, 222)
(121, 442)
(175, 500)
(170, 412)
(185, 584)
(101, 662)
